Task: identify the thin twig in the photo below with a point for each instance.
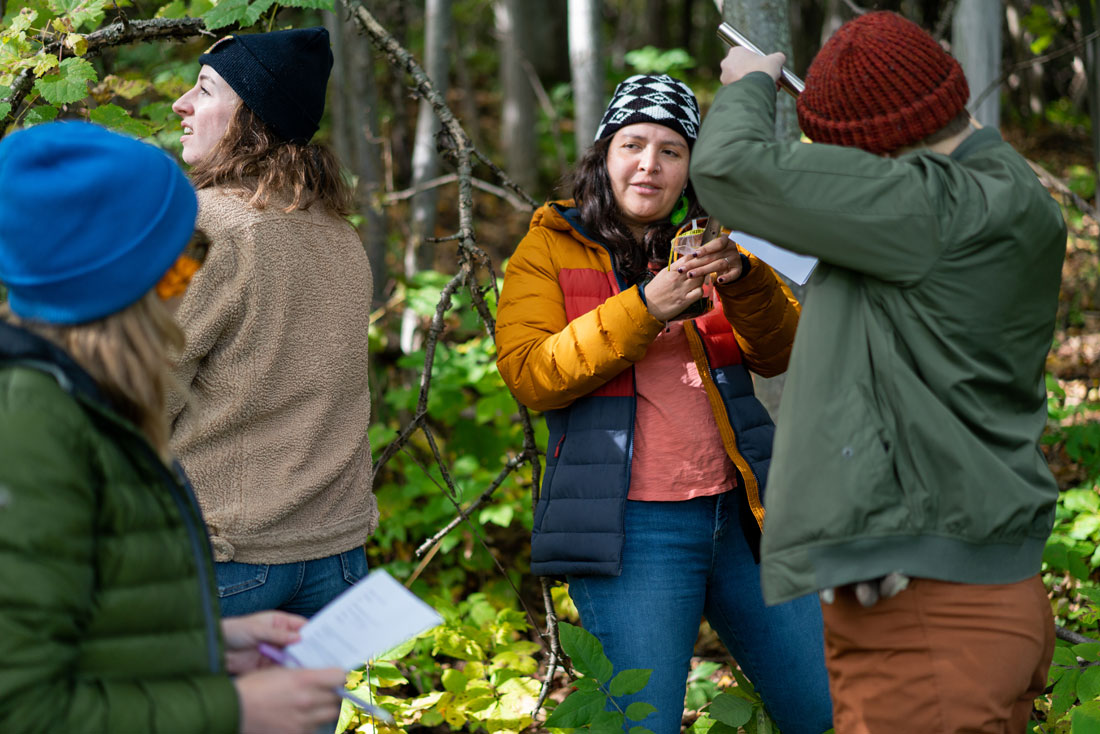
(548, 109)
(1051, 181)
(509, 467)
(995, 85)
(515, 201)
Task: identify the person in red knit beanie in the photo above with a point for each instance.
(906, 485)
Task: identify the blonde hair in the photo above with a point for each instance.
(127, 354)
(251, 156)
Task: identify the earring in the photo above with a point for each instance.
(680, 212)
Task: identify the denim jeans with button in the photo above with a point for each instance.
(686, 560)
(302, 587)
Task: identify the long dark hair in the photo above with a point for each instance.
(250, 155)
(603, 220)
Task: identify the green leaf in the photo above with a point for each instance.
(1064, 694)
(5, 108)
(116, 118)
(586, 684)
(40, 114)
(720, 728)
(629, 681)
(228, 12)
(639, 710)
(80, 12)
(585, 651)
(1064, 656)
(730, 710)
(315, 4)
(1088, 651)
(498, 515)
(69, 85)
(608, 721)
(1085, 719)
(1088, 685)
(578, 709)
(454, 681)
(174, 9)
(1077, 566)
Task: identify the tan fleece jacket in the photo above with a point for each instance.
(274, 431)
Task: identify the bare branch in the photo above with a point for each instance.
(516, 202)
(1051, 181)
(1074, 638)
(1030, 62)
(509, 467)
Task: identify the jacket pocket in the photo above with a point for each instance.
(236, 578)
(552, 454)
(850, 483)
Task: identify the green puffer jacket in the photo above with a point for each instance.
(108, 611)
(907, 439)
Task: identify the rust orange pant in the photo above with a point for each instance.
(939, 657)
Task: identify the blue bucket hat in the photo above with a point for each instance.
(90, 220)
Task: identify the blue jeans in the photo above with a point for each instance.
(302, 588)
(686, 560)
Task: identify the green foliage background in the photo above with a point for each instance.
(481, 670)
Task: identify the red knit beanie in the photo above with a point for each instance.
(880, 83)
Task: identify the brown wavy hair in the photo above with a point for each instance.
(251, 156)
(128, 356)
(603, 220)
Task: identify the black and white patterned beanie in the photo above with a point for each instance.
(659, 99)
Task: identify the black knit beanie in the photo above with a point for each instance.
(281, 76)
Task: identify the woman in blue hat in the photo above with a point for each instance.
(274, 433)
(108, 621)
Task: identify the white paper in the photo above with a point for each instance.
(375, 615)
(791, 264)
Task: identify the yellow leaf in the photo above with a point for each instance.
(44, 64)
(76, 42)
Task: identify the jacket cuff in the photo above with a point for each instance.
(753, 276)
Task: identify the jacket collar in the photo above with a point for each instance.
(976, 141)
(24, 347)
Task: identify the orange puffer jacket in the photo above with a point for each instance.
(568, 334)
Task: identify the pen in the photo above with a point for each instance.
(284, 658)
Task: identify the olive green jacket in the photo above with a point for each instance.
(907, 438)
(108, 611)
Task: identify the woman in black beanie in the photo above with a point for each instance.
(274, 431)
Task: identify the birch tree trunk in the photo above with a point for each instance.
(1090, 23)
(976, 43)
(437, 31)
(765, 23)
(517, 118)
(585, 66)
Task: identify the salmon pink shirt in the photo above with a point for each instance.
(678, 452)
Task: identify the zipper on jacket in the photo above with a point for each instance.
(557, 449)
(188, 508)
(187, 504)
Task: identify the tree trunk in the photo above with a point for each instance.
(976, 43)
(355, 135)
(338, 90)
(418, 254)
(586, 69)
(1090, 23)
(764, 22)
(517, 118)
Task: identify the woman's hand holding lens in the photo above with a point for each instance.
(719, 256)
(671, 291)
